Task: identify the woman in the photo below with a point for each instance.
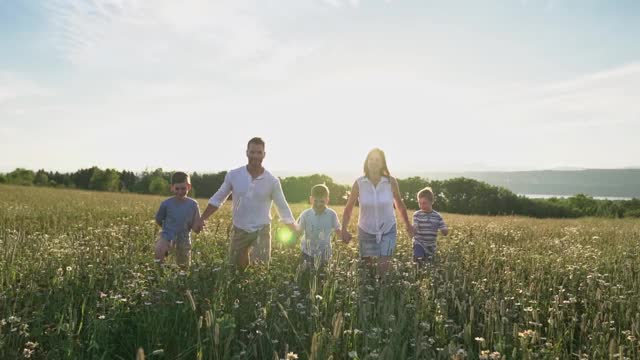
(376, 193)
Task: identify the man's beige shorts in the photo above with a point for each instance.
(259, 243)
(181, 250)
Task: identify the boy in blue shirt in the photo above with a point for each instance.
(315, 226)
(176, 216)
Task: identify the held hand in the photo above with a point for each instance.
(410, 230)
(346, 236)
(198, 226)
(293, 227)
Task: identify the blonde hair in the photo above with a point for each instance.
(426, 193)
(320, 190)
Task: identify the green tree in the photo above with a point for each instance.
(297, 188)
(41, 178)
(21, 176)
(105, 180)
(583, 204)
(142, 185)
(206, 184)
(127, 180)
(409, 189)
(635, 213)
(159, 186)
(82, 177)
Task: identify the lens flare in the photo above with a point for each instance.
(285, 235)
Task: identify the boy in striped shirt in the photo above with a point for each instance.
(426, 224)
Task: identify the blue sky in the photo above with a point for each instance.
(438, 85)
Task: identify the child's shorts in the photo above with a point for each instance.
(182, 250)
(424, 251)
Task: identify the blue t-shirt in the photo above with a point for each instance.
(177, 218)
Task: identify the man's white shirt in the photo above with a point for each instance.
(252, 199)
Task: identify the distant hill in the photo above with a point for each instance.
(561, 181)
(593, 182)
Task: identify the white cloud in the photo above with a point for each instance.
(138, 68)
(334, 3)
(168, 47)
(551, 4)
(126, 34)
(608, 96)
(603, 97)
(625, 76)
(14, 86)
(343, 3)
(8, 133)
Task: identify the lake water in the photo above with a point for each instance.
(546, 196)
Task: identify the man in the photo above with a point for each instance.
(254, 190)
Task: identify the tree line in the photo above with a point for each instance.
(458, 195)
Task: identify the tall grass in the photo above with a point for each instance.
(77, 280)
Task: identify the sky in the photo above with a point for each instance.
(438, 85)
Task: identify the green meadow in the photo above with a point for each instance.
(78, 281)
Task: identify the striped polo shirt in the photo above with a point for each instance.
(427, 225)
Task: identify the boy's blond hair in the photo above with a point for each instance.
(320, 191)
(426, 193)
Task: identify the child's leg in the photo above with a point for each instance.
(320, 263)
(419, 254)
(161, 249)
(430, 253)
(324, 264)
(369, 260)
(183, 255)
(307, 260)
(305, 269)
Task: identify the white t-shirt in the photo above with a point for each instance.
(317, 229)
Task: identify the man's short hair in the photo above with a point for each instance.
(426, 193)
(319, 191)
(180, 177)
(255, 140)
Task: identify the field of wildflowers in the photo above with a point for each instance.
(77, 281)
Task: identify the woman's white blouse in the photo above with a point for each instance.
(377, 214)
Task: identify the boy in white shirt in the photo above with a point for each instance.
(315, 226)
